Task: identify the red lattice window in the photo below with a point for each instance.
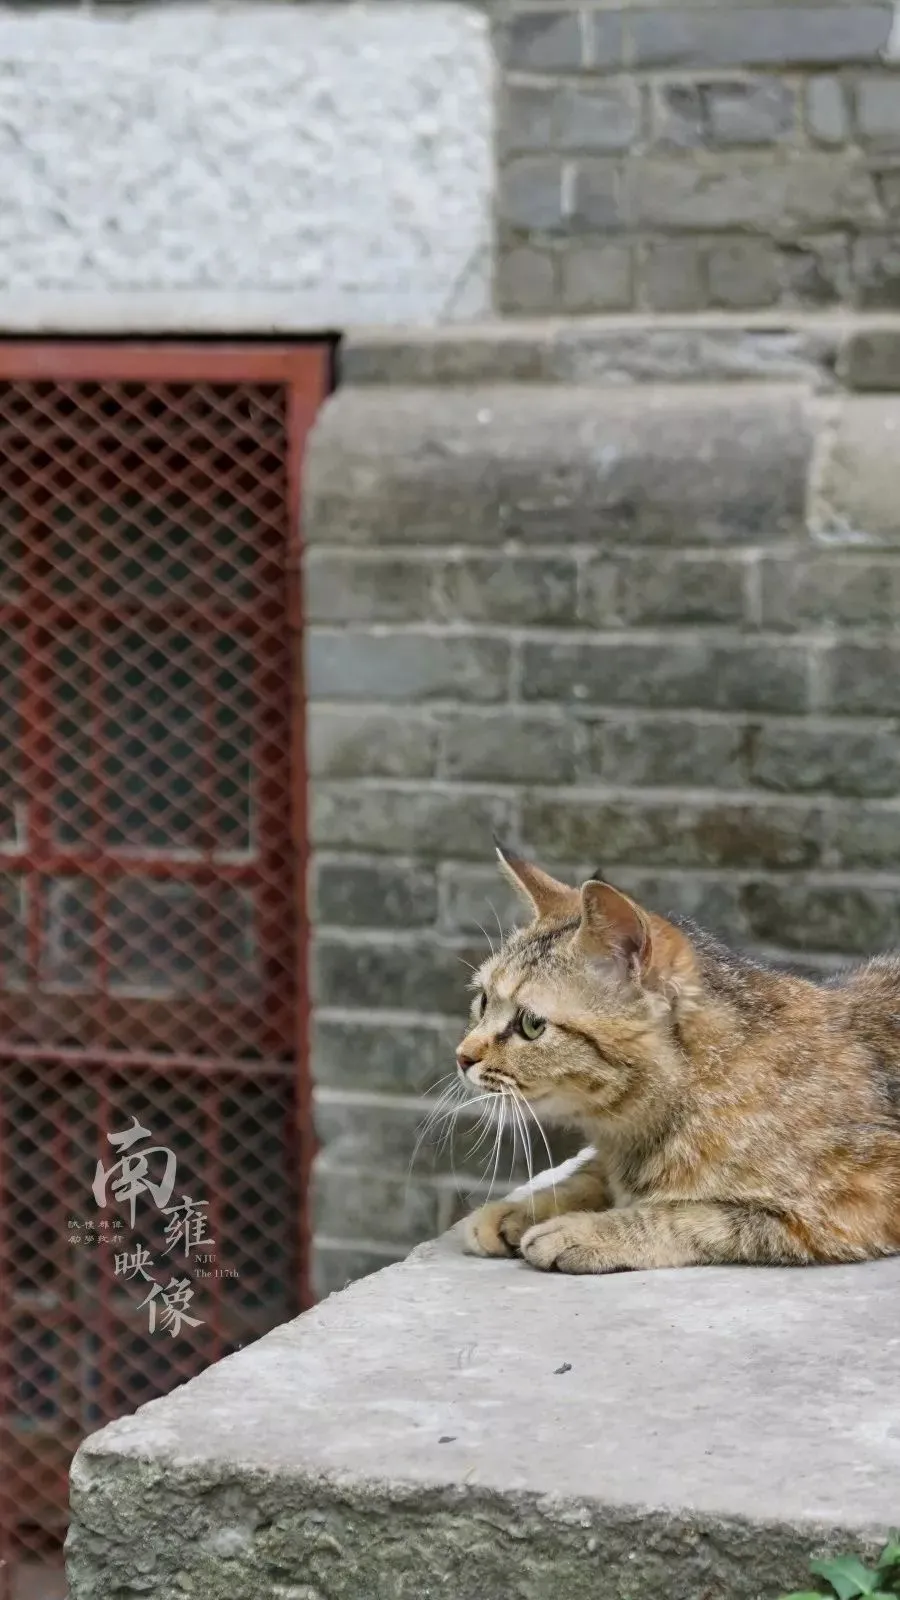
(152, 935)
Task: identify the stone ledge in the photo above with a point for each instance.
(552, 464)
(827, 351)
(470, 1428)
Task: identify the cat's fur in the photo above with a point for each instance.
(734, 1114)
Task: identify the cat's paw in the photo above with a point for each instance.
(496, 1229)
(576, 1242)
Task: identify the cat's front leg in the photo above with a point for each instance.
(664, 1234)
(497, 1229)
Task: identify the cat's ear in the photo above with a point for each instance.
(544, 895)
(613, 926)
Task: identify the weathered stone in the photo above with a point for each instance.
(374, 894)
(386, 1207)
(864, 678)
(526, 280)
(679, 116)
(502, 589)
(596, 201)
(815, 270)
(888, 182)
(597, 277)
(748, 191)
(856, 482)
(863, 836)
(871, 360)
(646, 349)
(673, 673)
(421, 975)
(639, 752)
(346, 742)
(606, 117)
(841, 918)
(549, 463)
(509, 746)
(742, 273)
(776, 35)
(427, 821)
(876, 270)
(543, 41)
(848, 590)
(755, 111)
(827, 118)
(378, 1056)
(530, 193)
(878, 110)
(344, 664)
(477, 900)
(647, 831)
(673, 276)
(662, 588)
(368, 588)
(793, 758)
(528, 121)
(367, 1450)
(604, 40)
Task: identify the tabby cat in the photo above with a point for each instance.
(734, 1114)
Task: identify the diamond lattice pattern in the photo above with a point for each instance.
(148, 919)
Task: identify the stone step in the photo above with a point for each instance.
(475, 1430)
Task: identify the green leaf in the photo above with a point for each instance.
(847, 1576)
(808, 1594)
(890, 1555)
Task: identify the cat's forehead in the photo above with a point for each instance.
(529, 953)
(540, 955)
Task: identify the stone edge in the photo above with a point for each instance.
(860, 354)
(630, 1549)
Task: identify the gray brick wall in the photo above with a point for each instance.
(647, 626)
(677, 156)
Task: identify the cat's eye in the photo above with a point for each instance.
(481, 1004)
(530, 1026)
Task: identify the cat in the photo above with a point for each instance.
(735, 1114)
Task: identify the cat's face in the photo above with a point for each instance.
(570, 1014)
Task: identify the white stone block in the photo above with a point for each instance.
(333, 163)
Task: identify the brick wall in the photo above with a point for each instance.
(647, 626)
(662, 155)
(684, 156)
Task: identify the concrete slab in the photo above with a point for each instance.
(474, 1429)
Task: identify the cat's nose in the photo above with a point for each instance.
(464, 1062)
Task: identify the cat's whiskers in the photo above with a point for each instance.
(537, 1122)
(526, 1142)
(442, 1108)
(498, 1139)
(487, 1118)
(445, 1113)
